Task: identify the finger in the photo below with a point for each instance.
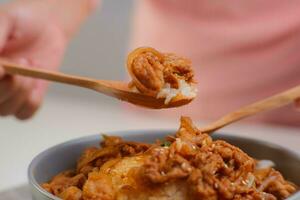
(8, 87)
(2, 72)
(13, 104)
(10, 84)
(6, 28)
(30, 107)
(35, 100)
(297, 103)
(25, 102)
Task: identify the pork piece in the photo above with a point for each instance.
(61, 182)
(71, 193)
(98, 187)
(271, 181)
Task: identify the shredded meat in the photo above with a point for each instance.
(271, 181)
(210, 168)
(176, 68)
(151, 70)
(63, 181)
(187, 166)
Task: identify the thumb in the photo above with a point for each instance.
(4, 35)
(4, 30)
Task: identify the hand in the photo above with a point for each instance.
(28, 38)
(34, 33)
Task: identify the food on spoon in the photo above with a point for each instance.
(187, 166)
(163, 75)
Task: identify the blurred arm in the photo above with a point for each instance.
(71, 13)
(67, 14)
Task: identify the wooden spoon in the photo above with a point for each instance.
(276, 101)
(119, 90)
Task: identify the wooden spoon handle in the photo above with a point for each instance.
(270, 103)
(13, 68)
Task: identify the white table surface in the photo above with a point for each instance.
(61, 119)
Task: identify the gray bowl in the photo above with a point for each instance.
(64, 156)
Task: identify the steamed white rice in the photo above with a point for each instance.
(184, 89)
(263, 164)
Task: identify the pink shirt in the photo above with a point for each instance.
(242, 51)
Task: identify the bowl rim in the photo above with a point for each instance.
(32, 181)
